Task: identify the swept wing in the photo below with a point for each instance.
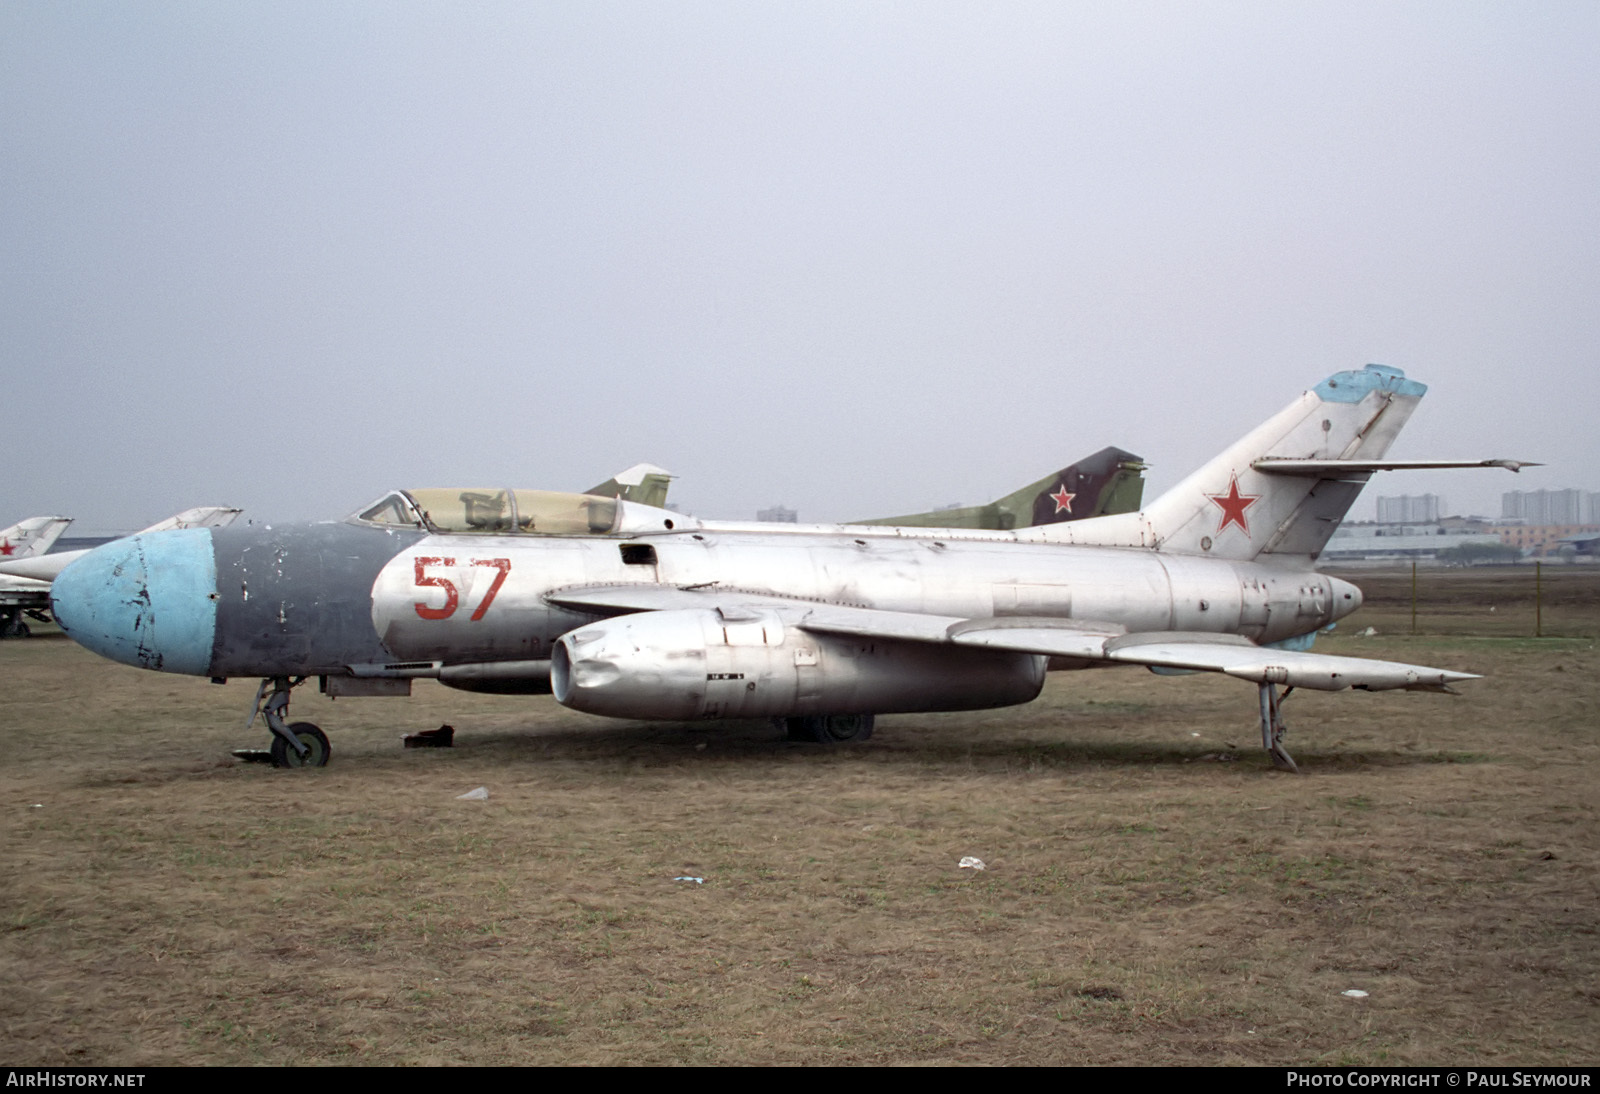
(1089, 642)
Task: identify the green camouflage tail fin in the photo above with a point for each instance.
(644, 483)
(1110, 481)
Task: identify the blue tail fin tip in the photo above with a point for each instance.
(1352, 387)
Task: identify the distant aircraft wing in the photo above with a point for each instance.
(41, 568)
(1080, 639)
(203, 516)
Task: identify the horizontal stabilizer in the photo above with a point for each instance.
(1279, 466)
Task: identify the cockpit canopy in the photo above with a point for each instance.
(491, 511)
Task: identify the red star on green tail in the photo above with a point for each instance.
(1063, 499)
(1233, 504)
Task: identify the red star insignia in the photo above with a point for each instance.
(1233, 504)
(1063, 499)
(6, 548)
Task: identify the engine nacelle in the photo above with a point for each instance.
(738, 663)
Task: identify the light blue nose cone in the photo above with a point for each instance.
(147, 600)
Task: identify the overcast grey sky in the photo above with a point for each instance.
(856, 258)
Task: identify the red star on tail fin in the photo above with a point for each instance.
(1233, 504)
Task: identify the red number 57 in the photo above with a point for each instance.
(452, 597)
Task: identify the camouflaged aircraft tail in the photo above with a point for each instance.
(644, 483)
(1110, 481)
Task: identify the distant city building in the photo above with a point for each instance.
(778, 515)
(1410, 509)
(1550, 507)
(1422, 540)
(1541, 540)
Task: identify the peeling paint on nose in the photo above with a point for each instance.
(147, 600)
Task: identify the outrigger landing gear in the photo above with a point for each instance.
(1272, 726)
(298, 744)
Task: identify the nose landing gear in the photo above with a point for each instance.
(297, 744)
(312, 740)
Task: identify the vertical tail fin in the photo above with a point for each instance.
(1107, 482)
(644, 483)
(1232, 509)
(31, 537)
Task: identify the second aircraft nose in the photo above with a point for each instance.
(147, 600)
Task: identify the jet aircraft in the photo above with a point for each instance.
(21, 596)
(638, 612)
(25, 577)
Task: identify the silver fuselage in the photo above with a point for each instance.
(348, 598)
(932, 574)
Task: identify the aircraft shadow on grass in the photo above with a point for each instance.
(757, 742)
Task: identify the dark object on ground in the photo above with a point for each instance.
(443, 737)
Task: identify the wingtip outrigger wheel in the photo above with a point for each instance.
(1272, 727)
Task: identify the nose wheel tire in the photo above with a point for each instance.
(307, 733)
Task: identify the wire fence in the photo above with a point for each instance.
(1530, 600)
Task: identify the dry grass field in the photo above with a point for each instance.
(1155, 892)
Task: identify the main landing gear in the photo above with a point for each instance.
(294, 744)
(827, 729)
(1272, 726)
(12, 625)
